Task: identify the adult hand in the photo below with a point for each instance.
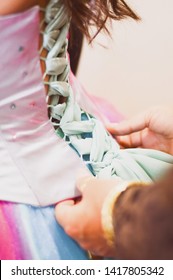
(151, 129)
(82, 220)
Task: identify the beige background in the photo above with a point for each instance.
(134, 70)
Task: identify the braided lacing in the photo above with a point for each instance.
(83, 132)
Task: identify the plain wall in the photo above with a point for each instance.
(134, 69)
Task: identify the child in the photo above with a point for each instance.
(38, 153)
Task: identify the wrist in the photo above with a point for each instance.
(107, 212)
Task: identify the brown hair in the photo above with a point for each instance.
(87, 13)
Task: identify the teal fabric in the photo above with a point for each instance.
(105, 159)
(82, 131)
(142, 164)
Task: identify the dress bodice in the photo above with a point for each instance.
(36, 166)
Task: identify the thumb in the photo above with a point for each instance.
(83, 182)
(63, 211)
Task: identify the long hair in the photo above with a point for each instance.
(86, 13)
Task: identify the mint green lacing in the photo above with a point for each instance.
(83, 132)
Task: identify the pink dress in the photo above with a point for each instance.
(37, 168)
(44, 143)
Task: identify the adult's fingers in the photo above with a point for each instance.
(134, 124)
(133, 140)
(66, 213)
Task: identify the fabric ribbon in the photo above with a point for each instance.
(83, 132)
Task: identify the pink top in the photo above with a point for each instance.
(36, 167)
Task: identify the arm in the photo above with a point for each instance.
(15, 6)
(89, 221)
(142, 221)
(120, 219)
